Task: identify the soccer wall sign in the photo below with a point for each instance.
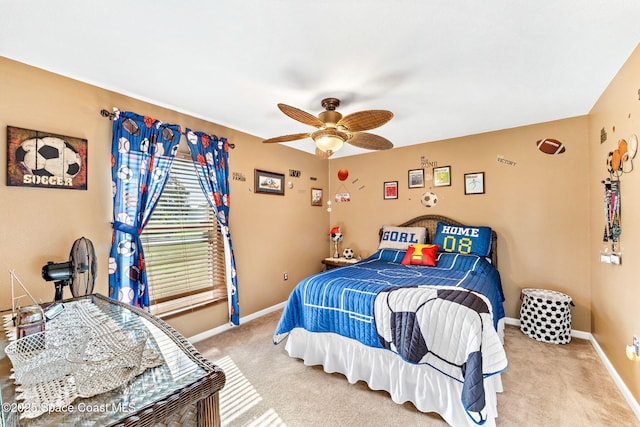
(42, 159)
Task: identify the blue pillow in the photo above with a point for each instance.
(463, 239)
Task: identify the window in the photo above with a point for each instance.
(183, 247)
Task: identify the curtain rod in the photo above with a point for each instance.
(111, 116)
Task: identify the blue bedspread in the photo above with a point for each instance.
(342, 300)
(444, 316)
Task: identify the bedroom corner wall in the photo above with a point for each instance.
(271, 234)
(615, 288)
(536, 202)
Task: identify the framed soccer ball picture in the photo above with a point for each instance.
(46, 160)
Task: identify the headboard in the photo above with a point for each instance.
(431, 221)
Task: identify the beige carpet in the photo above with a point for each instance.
(545, 385)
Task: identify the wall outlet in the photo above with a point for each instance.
(285, 276)
(633, 351)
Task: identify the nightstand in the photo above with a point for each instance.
(331, 263)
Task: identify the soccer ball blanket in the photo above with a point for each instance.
(444, 317)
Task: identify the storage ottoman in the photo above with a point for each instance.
(546, 315)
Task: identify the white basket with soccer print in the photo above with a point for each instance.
(546, 315)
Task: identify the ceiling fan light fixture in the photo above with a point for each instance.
(333, 130)
(329, 139)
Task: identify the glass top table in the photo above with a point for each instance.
(183, 390)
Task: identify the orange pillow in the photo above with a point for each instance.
(421, 255)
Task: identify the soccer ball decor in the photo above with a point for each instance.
(126, 247)
(336, 237)
(347, 253)
(429, 199)
(41, 159)
(49, 156)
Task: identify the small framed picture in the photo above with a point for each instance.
(269, 182)
(416, 178)
(316, 197)
(343, 197)
(390, 190)
(442, 176)
(474, 183)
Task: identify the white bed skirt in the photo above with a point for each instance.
(426, 388)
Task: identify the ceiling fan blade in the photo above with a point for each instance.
(323, 154)
(286, 138)
(301, 116)
(370, 141)
(365, 120)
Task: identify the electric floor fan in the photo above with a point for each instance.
(79, 273)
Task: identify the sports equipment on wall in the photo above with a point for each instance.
(550, 146)
(429, 199)
(334, 130)
(79, 272)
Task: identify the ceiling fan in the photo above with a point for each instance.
(334, 130)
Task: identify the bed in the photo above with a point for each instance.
(421, 318)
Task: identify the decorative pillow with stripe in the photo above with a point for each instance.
(401, 237)
(463, 239)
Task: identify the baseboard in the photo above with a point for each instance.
(215, 331)
(635, 407)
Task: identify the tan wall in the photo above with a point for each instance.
(271, 234)
(546, 209)
(537, 207)
(616, 288)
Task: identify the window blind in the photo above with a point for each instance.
(184, 250)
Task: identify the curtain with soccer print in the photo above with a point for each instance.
(142, 151)
(210, 156)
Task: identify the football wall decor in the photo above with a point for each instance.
(550, 146)
(42, 159)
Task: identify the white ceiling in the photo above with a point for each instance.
(444, 68)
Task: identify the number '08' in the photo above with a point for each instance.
(461, 245)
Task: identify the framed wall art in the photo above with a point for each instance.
(442, 176)
(316, 197)
(46, 160)
(390, 190)
(474, 183)
(416, 178)
(269, 182)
